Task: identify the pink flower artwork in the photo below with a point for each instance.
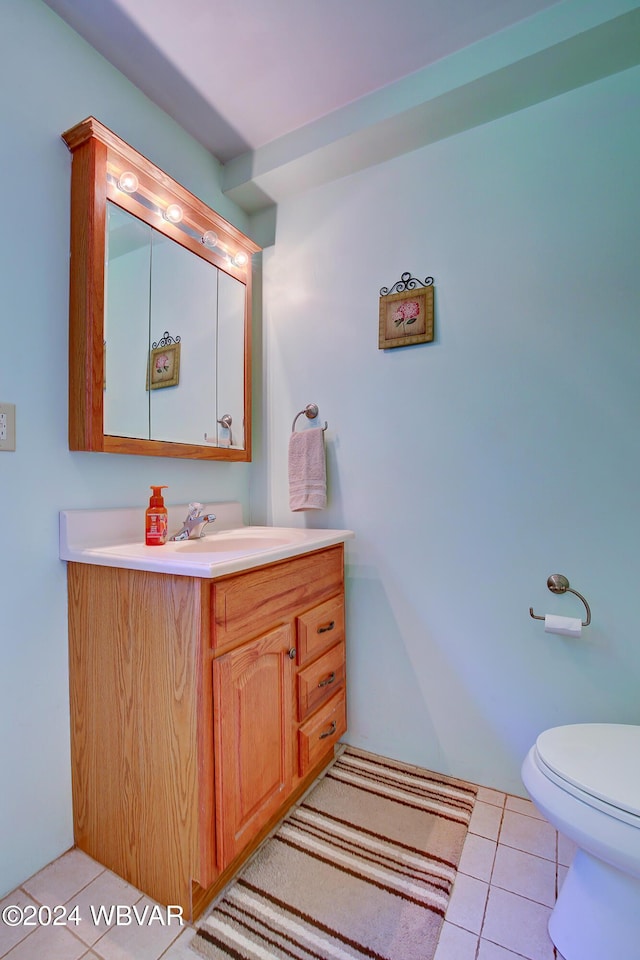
(407, 312)
(162, 364)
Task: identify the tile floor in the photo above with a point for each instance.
(512, 864)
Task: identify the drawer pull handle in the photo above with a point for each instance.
(328, 680)
(327, 733)
(292, 653)
(329, 626)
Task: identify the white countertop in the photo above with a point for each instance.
(115, 538)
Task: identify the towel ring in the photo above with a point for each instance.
(558, 583)
(310, 412)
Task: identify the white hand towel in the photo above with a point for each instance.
(307, 470)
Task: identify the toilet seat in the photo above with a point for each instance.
(585, 759)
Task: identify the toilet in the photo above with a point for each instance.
(585, 779)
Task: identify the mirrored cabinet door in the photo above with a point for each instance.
(184, 306)
(126, 324)
(230, 344)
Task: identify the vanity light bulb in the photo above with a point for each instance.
(173, 213)
(240, 258)
(209, 238)
(128, 182)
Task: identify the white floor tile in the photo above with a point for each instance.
(137, 941)
(467, 903)
(491, 951)
(49, 943)
(179, 950)
(487, 795)
(63, 878)
(518, 924)
(485, 820)
(9, 935)
(525, 807)
(97, 902)
(477, 857)
(523, 873)
(454, 944)
(528, 834)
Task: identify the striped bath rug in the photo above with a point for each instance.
(362, 869)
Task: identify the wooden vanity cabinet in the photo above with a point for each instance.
(200, 711)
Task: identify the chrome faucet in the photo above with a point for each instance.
(193, 526)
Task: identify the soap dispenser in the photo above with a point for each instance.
(156, 519)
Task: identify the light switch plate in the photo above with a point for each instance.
(7, 426)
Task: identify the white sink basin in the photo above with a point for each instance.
(113, 538)
(235, 541)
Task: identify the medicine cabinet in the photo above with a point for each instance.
(159, 311)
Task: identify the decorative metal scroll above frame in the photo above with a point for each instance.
(163, 369)
(406, 312)
(165, 340)
(406, 282)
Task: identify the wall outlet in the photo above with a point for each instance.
(7, 426)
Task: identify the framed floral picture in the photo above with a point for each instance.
(164, 364)
(406, 316)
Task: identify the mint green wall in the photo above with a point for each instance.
(49, 80)
(509, 449)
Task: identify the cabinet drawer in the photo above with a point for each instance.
(251, 603)
(320, 680)
(318, 735)
(319, 629)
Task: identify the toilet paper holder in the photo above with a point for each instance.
(558, 583)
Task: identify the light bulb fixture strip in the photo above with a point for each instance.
(127, 182)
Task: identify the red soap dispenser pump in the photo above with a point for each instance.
(156, 519)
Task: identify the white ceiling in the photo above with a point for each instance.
(239, 75)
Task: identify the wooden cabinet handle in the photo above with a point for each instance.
(327, 733)
(327, 627)
(292, 653)
(328, 680)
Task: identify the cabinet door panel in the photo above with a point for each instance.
(253, 737)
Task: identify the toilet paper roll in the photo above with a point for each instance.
(565, 626)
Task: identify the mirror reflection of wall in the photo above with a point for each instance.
(126, 324)
(154, 286)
